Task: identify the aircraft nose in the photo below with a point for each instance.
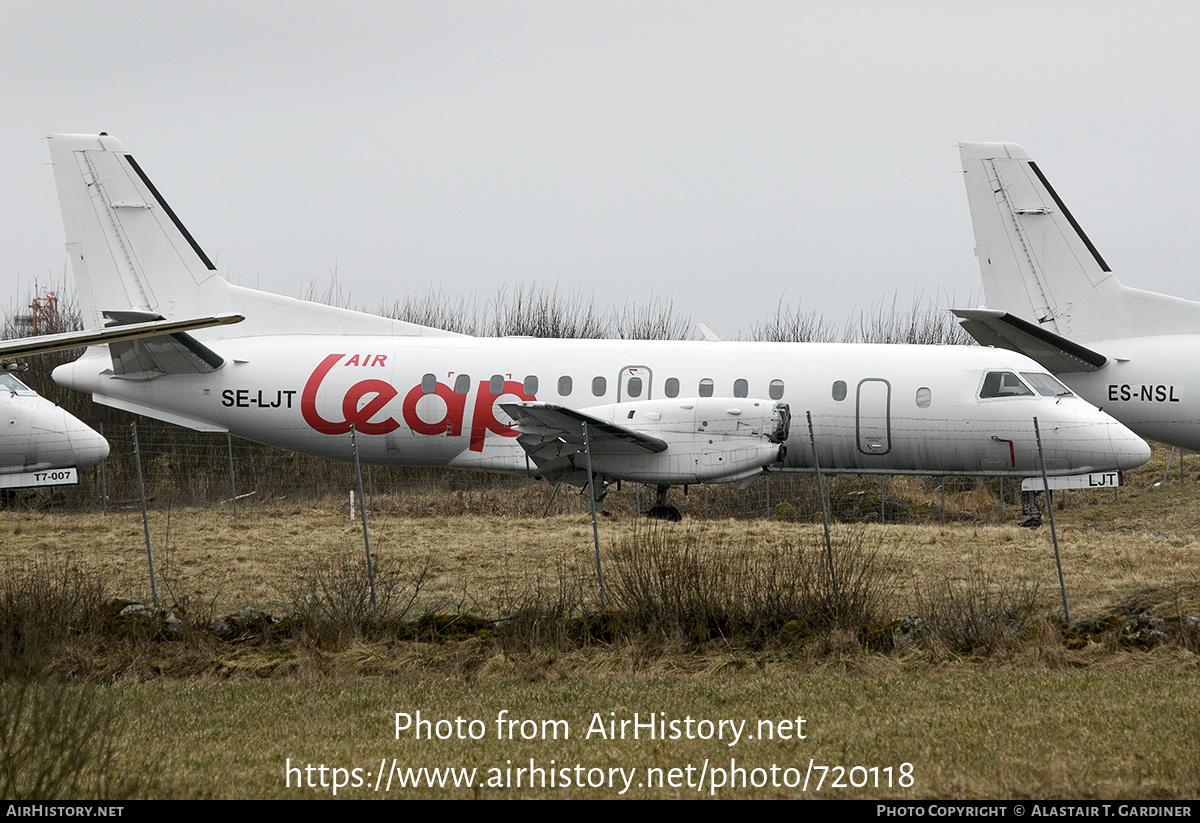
(87, 445)
(1129, 450)
(1111, 444)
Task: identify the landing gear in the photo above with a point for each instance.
(661, 510)
(1029, 506)
(598, 490)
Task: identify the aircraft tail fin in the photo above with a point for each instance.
(128, 250)
(1038, 263)
(131, 252)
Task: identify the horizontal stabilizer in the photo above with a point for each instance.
(25, 346)
(1002, 330)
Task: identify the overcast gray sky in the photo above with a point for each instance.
(723, 155)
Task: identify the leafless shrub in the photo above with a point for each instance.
(979, 615)
(42, 607)
(1186, 630)
(58, 742)
(333, 602)
(790, 325)
(539, 310)
(678, 582)
(333, 294)
(50, 307)
(541, 613)
(436, 310)
(925, 323)
(532, 310)
(653, 320)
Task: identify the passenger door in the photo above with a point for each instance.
(873, 417)
(634, 383)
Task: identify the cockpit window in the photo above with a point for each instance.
(10, 383)
(1045, 385)
(1003, 384)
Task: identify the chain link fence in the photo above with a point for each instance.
(181, 467)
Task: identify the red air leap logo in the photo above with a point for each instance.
(366, 400)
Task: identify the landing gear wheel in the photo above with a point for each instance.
(661, 510)
(668, 513)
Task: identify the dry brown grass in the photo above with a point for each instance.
(1008, 711)
(1112, 562)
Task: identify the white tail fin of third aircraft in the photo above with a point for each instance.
(1038, 263)
(151, 264)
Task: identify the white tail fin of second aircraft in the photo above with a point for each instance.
(129, 251)
(1038, 264)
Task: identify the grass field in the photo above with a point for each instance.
(984, 696)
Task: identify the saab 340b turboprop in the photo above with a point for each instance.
(299, 375)
(1049, 291)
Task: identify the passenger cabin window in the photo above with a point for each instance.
(839, 390)
(671, 387)
(706, 387)
(496, 385)
(634, 386)
(428, 384)
(599, 386)
(776, 389)
(1045, 385)
(741, 388)
(462, 384)
(1003, 384)
(564, 386)
(531, 384)
(923, 398)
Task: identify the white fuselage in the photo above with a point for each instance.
(1146, 388)
(435, 401)
(36, 435)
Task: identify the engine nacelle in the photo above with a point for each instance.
(709, 439)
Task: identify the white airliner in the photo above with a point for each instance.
(1049, 292)
(40, 443)
(300, 375)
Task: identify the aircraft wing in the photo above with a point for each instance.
(25, 346)
(549, 432)
(1002, 330)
